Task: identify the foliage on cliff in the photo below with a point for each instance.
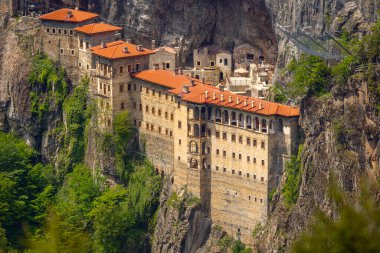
(48, 86)
(355, 230)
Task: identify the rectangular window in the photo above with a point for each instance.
(71, 32)
(247, 175)
(152, 127)
(179, 124)
(53, 31)
(254, 160)
(140, 88)
(129, 68)
(224, 136)
(240, 139)
(159, 129)
(171, 116)
(147, 108)
(217, 152)
(147, 90)
(59, 31)
(217, 134)
(109, 88)
(217, 168)
(167, 131)
(137, 67)
(224, 169)
(153, 110)
(121, 69)
(61, 50)
(262, 162)
(262, 179)
(147, 126)
(171, 133)
(122, 106)
(179, 141)
(166, 115)
(121, 87)
(239, 156)
(240, 173)
(248, 158)
(65, 32)
(167, 65)
(48, 30)
(255, 143)
(139, 123)
(224, 153)
(129, 87)
(208, 132)
(233, 172)
(159, 112)
(159, 94)
(87, 45)
(263, 145)
(134, 87)
(233, 138)
(233, 155)
(248, 141)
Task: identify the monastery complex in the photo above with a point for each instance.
(227, 148)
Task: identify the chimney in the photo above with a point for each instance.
(192, 74)
(70, 14)
(229, 99)
(222, 97)
(206, 94)
(260, 106)
(213, 96)
(253, 104)
(176, 70)
(203, 79)
(129, 41)
(180, 71)
(156, 67)
(245, 102)
(125, 50)
(237, 101)
(221, 87)
(185, 89)
(139, 48)
(192, 82)
(205, 50)
(153, 44)
(103, 45)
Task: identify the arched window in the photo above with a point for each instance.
(241, 120)
(203, 113)
(218, 115)
(249, 122)
(264, 126)
(280, 126)
(271, 125)
(196, 113)
(225, 117)
(257, 124)
(193, 163)
(196, 130)
(209, 113)
(193, 147)
(233, 119)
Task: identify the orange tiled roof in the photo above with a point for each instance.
(97, 28)
(197, 94)
(114, 50)
(69, 15)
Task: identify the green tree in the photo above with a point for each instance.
(355, 230)
(293, 172)
(311, 77)
(74, 200)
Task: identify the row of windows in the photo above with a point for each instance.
(240, 139)
(104, 88)
(59, 31)
(240, 173)
(80, 66)
(152, 127)
(153, 111)
(239, 156)
(148, 91)
(72, 51)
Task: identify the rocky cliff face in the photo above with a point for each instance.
(192, 23)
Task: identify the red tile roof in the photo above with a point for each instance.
(69, 15)
(97, 28)
(197, 94)
(114, 50)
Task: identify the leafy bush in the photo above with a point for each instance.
(311, 77)
(293, 172)
(355, 230)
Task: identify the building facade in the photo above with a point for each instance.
(58, 38)
(165, 58)
(227, 149)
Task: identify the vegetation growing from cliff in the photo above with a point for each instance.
(83, 214)
(48, 86)
(356, 229)
(293, 173)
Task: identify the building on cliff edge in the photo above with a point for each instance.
(225, 148)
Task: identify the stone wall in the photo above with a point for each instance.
(164, 60)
